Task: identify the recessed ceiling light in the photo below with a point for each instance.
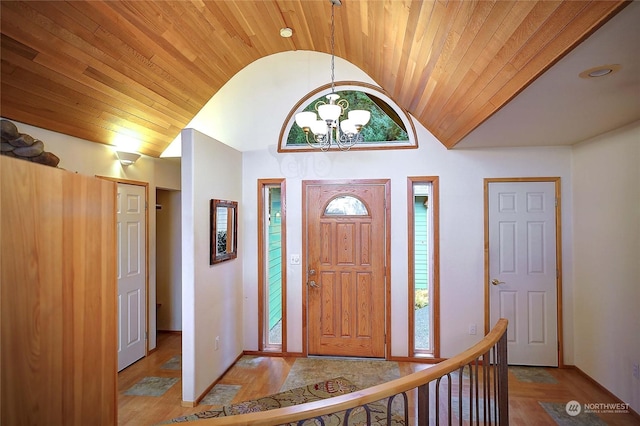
(600, 71)
(286, 32)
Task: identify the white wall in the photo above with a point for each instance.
(169, 260)
(606, 187)
(93, 159)
(286, 78)
(461, 227)
(211, 294)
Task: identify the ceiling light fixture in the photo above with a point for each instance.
(286, 32)
(127, 158)
(600, 71)
(328, 131)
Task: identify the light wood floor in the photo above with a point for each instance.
(524, 407)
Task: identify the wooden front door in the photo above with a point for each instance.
(345, 236)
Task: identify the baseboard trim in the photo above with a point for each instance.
(274, 354)
(602, 388)
(195, 403)
(420, 360)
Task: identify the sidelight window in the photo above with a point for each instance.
(272, 288)
(423, 266)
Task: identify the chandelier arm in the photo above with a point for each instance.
(344, 104)
(317, 105)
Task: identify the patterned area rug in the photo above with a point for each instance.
(301, 395)
(532, 375)
(152, 386)
(175, 363)
(221, 394)
(362, 373)
(558, 412)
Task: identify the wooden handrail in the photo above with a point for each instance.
(365, 396)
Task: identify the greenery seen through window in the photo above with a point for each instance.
(381, 128)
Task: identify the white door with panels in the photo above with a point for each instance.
(131, 229)
(523, 268)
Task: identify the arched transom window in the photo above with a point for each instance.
(390, 127)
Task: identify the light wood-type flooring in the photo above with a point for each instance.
(524, 397)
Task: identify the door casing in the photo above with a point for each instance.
(387, 250)
(487, 284)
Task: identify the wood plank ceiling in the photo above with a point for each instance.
(96, 69)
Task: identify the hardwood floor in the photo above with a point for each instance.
(524, 397)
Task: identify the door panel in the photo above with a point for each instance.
(131, 225)
(134, 306)
(346, 272)
(522, 268)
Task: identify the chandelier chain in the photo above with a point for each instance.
(333, 47)
(330, 131)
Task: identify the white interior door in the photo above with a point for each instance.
(131, 229)
(523, 269)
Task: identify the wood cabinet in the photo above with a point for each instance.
(58, 355)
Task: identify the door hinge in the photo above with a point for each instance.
(146, 335)
(556, 201)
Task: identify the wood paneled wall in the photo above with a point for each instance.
(58, 297)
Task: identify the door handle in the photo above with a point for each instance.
(495, 281)
(312, 283)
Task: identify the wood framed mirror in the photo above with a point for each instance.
(224, 230)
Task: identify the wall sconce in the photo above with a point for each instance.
(127, 158)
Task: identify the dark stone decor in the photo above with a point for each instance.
(22, 146)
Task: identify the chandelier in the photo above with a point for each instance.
(329, 131)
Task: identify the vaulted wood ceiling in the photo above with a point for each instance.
(96, 69)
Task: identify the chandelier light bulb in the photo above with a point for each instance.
(359, 117)
(319, 127)
(348, 126)
(329, 112)
(305, 119)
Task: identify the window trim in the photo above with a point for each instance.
(412, 143)
(434, 283)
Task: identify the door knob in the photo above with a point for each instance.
(495, 281)
(312, 283)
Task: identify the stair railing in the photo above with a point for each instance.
(469, 388)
